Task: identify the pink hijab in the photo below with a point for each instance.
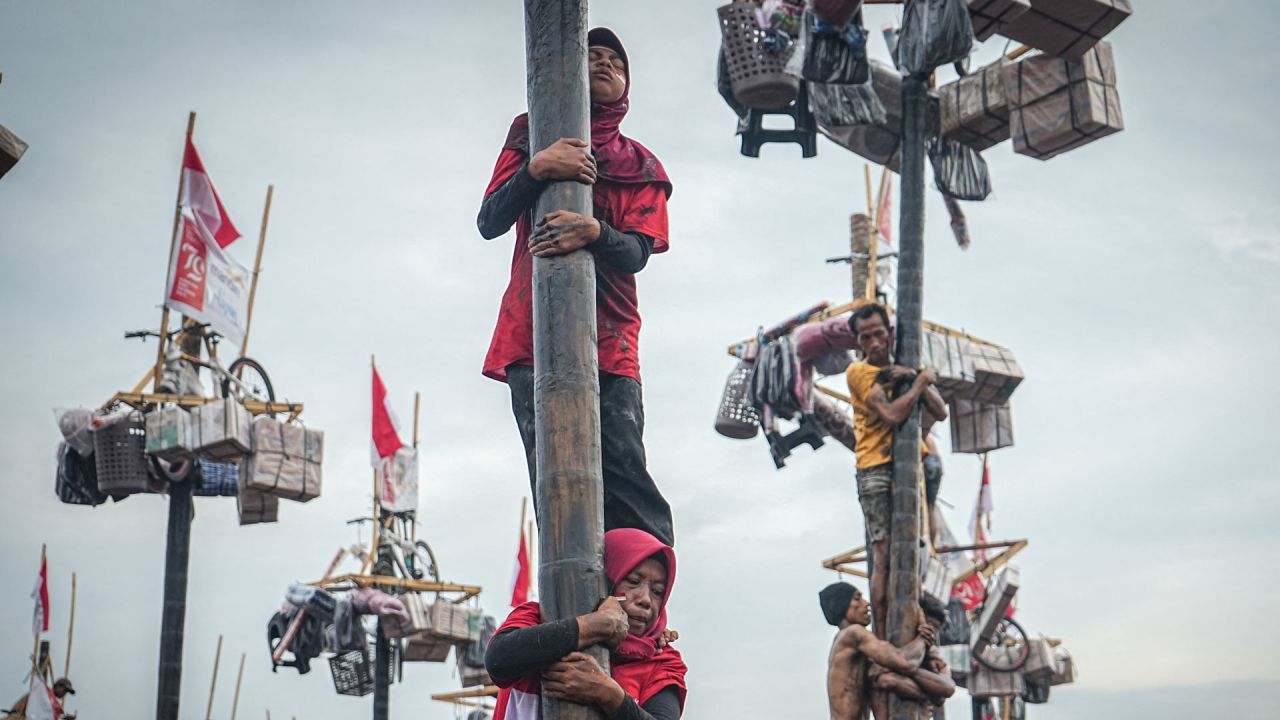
(624, 549)
(618, 158)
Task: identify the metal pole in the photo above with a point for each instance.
(566, 377)
(176, 558)
(381, 676)
(904, 536)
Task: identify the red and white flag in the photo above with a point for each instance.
(521, 573)
(40, 594)
(386, 427)
(884, 213)
(982, 510)
(42, 704)
(202, 200)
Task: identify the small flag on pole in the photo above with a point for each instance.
(386, 427)
(42, 704)
(982, 509)
(40, 594)
(202, 200)
(884, 213)
(520, 573)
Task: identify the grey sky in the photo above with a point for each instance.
(1134, 278)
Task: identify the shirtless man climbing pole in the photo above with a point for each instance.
(849, 666)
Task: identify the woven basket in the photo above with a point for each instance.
(352, 673)
(755, 74)
(737, 419)
(119, 450)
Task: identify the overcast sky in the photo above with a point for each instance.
(1134, 278)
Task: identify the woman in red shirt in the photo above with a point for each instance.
(629, 223)
(527, 657)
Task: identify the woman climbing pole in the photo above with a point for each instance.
(527, 657)
(629, 190)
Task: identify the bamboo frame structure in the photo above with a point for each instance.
(71, 629)
(844, 562)
(471, 697)
(141, 401)
(257, 269)
(366, 581)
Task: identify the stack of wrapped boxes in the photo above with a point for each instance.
(976, 379)
(434, 628)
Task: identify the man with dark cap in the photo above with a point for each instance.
(628, 224)
(850, 669)
(61, 687)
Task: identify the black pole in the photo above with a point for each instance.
(176, 558)
(566, 378)
(904, 549)
(381, 675)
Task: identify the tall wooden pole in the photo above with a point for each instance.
(235, 699)
(35, 651)
(213, 684)
(257, 268)
(904, 536)
(71, 628)
(566, 392)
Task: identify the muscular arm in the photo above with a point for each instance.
(628, 252)
(881, 652)
(934, 404)
(502, 207)
(895, 411)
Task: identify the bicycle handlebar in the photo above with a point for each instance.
(144, 334)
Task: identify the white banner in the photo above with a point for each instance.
(398, 481)
(206, 284)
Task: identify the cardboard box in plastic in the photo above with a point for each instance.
(1067, 28)
(1000, 592)
(1056, 105)
(974, 109)
(419, 618)
(990, 17)
(1064, 671)
(454, 623)
(1040, 663)
(985, 682)
(286, 460)
(948, 357)
(423, 648)
(995, 371)
(221, 429)
(169, 435)
(254, 507)
(935, 578)
(978, 427)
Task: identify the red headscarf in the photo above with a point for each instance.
(618, 158)
(624, 549)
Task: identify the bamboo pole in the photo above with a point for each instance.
(377, 526)
(71, 629)
(417, 404)
(35, 651)
(257, 268)
(292, 630)
(173, 245)
(235, 700)
(873, 249)
(213, 684)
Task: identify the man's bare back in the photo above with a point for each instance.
(847, 674)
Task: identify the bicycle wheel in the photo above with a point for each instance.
(1008, 649)
(253, 380)
(422, 553)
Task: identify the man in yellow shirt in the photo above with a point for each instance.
(874, 420)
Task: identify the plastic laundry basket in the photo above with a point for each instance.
(755, 74)
(736, 418)
(119, 450)
(352, 673)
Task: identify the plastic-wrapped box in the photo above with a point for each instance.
(985, 682)
(1040, 663)
(948, 358)
(1058, 105)
(423, 648)
(934, 33)
(974, 109)
(990, 17)
(978, 427)
(959, 658)
(1067, 28)
(221, 429)
(935, 578)
(1000, 592)
(996, 373)
(11, 150)
(255, 507)
(169, 435)
(286, 460)
(454, 623)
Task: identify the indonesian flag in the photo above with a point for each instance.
(201, 199)
(42, 704)
(884, 213)
(982, 509)
(40, 594)
(520, 574)
(386, 427)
